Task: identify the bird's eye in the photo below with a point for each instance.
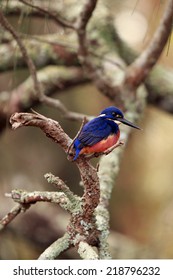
(118, 116)
(114, 114)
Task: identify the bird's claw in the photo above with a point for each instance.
(120, 143)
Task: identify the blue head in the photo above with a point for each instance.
(115, 114)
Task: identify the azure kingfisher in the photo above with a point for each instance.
(101, 133)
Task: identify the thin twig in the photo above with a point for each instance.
(61, 186)
(57, 104)
(55, 16)
(51, 79)
(23, 50)
(18, 208)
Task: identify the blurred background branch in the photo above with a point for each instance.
(139, 69)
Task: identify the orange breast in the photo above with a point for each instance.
(101, 146)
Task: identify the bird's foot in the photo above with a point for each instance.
(118, 144)
(108, 151)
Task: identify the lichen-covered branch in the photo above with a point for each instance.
(11, 215)
(24, 197)
(108, 171)
(160, 88)
(81, 25)
(159, 80)
(92, 65)
(51, 79)
(61, 186)
(37, 88)
(43, 50)
(87, 252)
(59, 246)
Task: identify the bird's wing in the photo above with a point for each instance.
(94, 131)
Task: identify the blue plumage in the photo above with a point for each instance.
(93, 132)
(99, 129)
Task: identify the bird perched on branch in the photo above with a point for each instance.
(101, 135)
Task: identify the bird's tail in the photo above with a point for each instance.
(77, 149)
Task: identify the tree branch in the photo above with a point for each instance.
(51, 79)
(37, 86)
(16, 7)
(24, 197)
(17, 209)
(51, 128)
(81, 24)
(108, 171)
(43, 50)
(64, 197)
(61, 186)
(82, 225)
(93, 70)
(137, 72)
(158, 96)
(159, 80)
(53, 251)
(86, 251)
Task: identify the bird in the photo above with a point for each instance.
(101, 133)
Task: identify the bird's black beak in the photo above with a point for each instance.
(124, 121)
